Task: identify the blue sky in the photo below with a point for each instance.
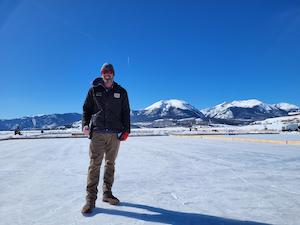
(203, 52)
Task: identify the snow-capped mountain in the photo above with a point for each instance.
(167, 109)
(40, 121)
(246, 111)
(169, 113)
(287, 107)
(77, 124)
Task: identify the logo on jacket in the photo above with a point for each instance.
(117, 95)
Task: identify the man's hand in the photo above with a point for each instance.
(86, 130)
(123, 136)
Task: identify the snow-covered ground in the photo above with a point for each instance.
(281, 136)
(37, 134)
(273, 123)
(160, 180)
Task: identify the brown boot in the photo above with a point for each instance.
(108, 197)
(88, 207)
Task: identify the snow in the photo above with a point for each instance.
(33, 121)
(254, 102)
(168, 103)
(35, 115)
(221, 111)
(4, 135)
(243, 104)
(290, 136)
(160, 180)
(286, 106)
(178, 107)
(246, 103)
(154, 106)
(273, 123)
(226, 115)
(77, 124)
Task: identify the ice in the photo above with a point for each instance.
(160, 180)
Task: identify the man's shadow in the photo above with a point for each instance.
(165, 216)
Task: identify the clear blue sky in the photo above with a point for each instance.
(203, 52)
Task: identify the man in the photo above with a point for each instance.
(106, 118)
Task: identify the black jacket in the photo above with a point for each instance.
(106, 109)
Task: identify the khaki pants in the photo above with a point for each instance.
(107, 146)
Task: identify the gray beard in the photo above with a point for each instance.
(108, 82)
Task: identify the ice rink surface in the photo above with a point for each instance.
(159, 180)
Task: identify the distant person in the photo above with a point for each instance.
(18, 130)
(106, 119)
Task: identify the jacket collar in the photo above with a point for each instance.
(99, 82)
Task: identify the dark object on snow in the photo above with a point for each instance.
(18, 130)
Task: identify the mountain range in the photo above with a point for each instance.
(169, 112)
(40, 121)
(247, 111)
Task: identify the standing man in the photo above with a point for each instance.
(106, 119)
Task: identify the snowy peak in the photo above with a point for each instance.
(248, 110)
(286, 107)
(225, 110)
(248, 104)
(251, 103)
(168, 104)
(168, 109)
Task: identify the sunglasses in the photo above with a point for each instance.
(107, 71)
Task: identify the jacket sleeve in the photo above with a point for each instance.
(126, 113)
(87, 108)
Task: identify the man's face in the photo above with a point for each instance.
(107, 75)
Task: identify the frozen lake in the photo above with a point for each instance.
(282, 136)
(160, 180)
